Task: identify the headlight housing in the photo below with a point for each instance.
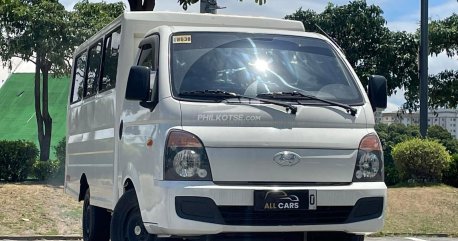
(186, 158)
(369, 162)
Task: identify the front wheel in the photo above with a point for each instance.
(126, 222)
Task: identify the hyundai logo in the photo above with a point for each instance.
(287, 158)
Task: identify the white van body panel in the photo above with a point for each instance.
(162, 218)
(108, 135)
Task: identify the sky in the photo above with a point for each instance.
(401, 15)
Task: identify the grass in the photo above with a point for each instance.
(17, 118)
(428, 209)
(41, 209)
(38, 209)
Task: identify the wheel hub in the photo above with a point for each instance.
(137, 230)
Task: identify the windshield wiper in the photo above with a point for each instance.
(300, 96)
(228, 95)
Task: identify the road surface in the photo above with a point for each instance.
(367, 239)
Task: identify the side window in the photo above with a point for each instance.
(110, 60)
(93, 70)
(149, 56)
(78, 77)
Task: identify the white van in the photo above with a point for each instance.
(215, 127)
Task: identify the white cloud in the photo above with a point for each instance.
(403, 25)
(397, 99)
(411, 22)
(442, 62)
(444, 10)
(391, 107)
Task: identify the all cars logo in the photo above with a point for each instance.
(280, 200)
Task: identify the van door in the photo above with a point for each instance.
(137, 124)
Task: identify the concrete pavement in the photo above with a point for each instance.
(367, 239)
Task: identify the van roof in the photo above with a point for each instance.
(139, 23)
(213, 20)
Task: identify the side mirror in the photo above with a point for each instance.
(138, 83)
(377, 91)
(142, 86)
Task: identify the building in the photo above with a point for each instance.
(446, 118)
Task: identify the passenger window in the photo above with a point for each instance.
(78, 77)
(110, 60)
(93, 74)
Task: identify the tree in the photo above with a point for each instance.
(37, 31)
(444, 137)
(444, 36)
(43, 32)
(444, 86)
(370, 47)
(149, 5)
(88, 18)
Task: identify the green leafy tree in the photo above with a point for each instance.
(360, 30)
(37, 31)
(443, 91)
(444, 35)
(444, 137)
(43, 32)
(371, 48)
(149, 5)
(89, 17)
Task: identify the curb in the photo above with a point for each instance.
(41, 237)
(438, 235)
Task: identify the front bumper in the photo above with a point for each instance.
(197, 208)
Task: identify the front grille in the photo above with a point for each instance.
(245, 215)
(309, 184)
(204, 209)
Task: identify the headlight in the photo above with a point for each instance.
(186, 163)
(185, 158)
(369, 163)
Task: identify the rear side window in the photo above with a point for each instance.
(93, 74)
(78, 77)
(110, 61)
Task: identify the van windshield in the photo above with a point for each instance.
(258, 65)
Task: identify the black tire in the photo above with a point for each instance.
(127, 223)
(96, 221)
(334, 236)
